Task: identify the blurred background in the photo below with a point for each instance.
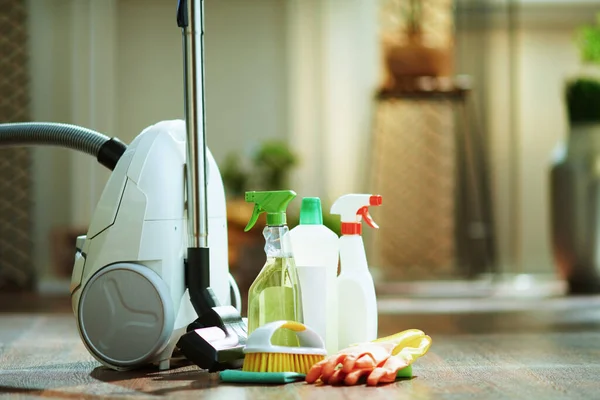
(463, 114)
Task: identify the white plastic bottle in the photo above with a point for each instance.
(315, 249)
(356, 291)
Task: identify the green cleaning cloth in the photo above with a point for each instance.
(238, 376)
(405, 372)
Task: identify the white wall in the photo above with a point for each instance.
(332, 79)
(245, 70)
(50, 101)
(116, 66)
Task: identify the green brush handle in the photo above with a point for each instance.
(236, 376)
(405, 372)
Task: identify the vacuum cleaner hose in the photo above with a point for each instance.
(106, 150)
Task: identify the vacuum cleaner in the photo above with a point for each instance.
(148, 282)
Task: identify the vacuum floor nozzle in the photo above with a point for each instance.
(216, 347)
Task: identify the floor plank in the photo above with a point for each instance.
(547, 353)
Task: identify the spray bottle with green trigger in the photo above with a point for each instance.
(275, 294)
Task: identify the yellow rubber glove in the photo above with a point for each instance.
(401, 357)
(380, 360)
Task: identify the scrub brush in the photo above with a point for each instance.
(262, 356)
(266, 363)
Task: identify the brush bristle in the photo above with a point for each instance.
(280, 362)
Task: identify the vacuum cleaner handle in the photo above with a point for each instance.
(215, 341)
(190, 19)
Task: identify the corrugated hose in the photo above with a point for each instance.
(106, 150)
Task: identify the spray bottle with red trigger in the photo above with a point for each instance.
(356, 291)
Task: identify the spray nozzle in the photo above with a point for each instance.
(364, 213)
(353, 208)
(374, 200)
(274, 203)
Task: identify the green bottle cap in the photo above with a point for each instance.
(311, 212)
(274, 203)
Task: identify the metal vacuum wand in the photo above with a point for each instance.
(193, 60)
(215, 340)
(190, 18)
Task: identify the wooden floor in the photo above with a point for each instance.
(550, 351)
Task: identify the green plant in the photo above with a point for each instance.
(583, 94)
(588, 41)
(271, 165)
(333, 223)
(413, 16)
(583, 100)
(274, 160)
(235, 179)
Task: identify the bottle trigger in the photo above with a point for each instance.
(364, 212)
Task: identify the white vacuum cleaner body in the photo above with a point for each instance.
(128, 287)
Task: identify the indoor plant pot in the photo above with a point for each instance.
(414, 59)
(575, 190)
(409, 56)
(575, 176)
(575, 208)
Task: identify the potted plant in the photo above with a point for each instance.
(273, 162)
(235, 176)
(269, 170)
(575, 174)
(582, 91)
(407, 54)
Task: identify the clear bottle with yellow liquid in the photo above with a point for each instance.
(275, 293)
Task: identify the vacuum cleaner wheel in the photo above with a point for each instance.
(126, 315)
